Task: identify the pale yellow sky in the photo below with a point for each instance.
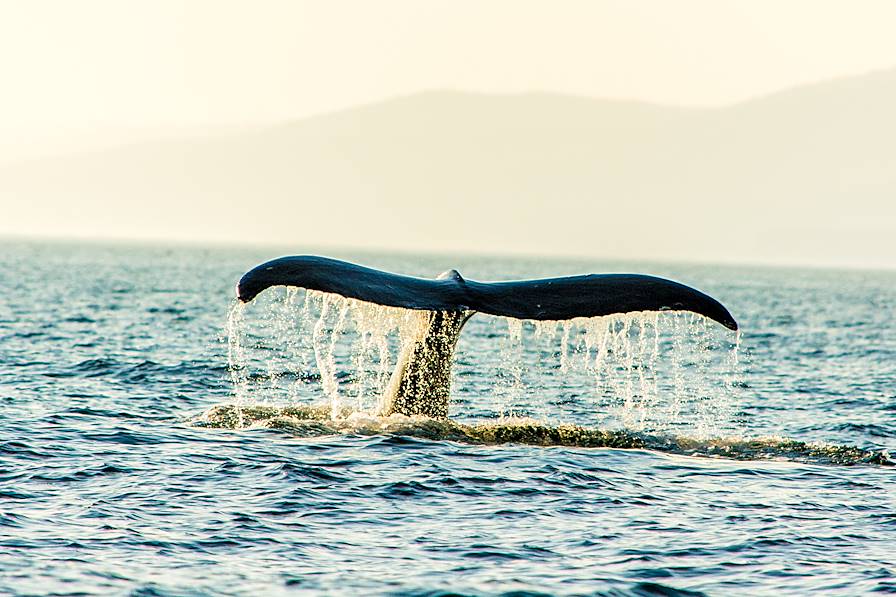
(809, 179)
(76, 72)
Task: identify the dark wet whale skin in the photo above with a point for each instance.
(588, 295)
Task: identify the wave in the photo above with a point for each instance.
(141, 371)
(313, 421)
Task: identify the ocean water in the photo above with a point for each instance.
(158, 439)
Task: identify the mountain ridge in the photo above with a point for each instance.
(529, 172)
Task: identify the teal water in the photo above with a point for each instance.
(155, 440)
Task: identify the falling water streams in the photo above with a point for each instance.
(667, 381)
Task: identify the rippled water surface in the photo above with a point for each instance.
(156, 439)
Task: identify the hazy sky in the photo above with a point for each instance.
(83, 74)
(75, 72)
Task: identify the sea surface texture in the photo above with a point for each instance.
(158, 438)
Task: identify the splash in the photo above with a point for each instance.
(300, 346)
(236, 358)
(651, 372)
(310, 421)
(643, 371)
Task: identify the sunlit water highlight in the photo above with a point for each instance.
(152, 445)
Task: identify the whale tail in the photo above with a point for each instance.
(545, 299)
(421, 382)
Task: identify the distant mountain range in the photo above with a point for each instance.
(803, 176)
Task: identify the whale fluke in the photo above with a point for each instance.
(421, 382)
(546, 299)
